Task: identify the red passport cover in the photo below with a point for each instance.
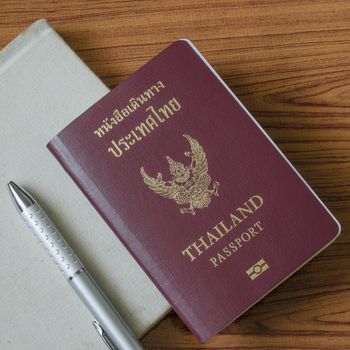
(195, 189)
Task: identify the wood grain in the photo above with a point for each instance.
(289, 62)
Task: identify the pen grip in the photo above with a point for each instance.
(52, 241)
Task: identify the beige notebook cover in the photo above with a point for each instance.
(43, 86)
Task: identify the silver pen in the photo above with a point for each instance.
(108, 323)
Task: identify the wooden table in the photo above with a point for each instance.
(289, 62)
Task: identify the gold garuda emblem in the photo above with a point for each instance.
(189, 184)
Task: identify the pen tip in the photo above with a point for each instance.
(20, 197)
(11, 184)
(12, 187)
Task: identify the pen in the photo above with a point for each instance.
(108, 323)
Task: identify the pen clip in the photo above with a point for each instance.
(104, 336)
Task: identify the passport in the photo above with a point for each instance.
(194, 188)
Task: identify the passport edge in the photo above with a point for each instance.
(194, 48)
(331, 215)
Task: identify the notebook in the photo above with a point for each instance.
(44, 85)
